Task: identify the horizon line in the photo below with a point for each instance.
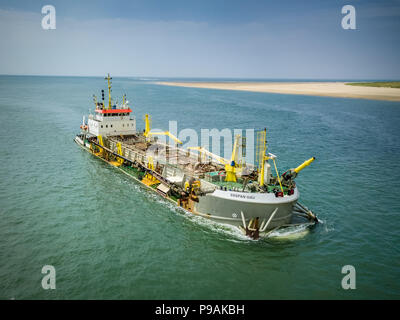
(202, 77)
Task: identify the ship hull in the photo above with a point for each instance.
(229, 207)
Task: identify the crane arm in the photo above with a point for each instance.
(166, 133)
(235, 149)
(304, 164)
(210, 154)
(147, 131)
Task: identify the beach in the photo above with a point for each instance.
(328, 89)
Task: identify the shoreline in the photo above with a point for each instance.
(323, 89)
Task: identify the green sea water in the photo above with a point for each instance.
(109, 238)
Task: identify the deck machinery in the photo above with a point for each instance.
(253, 197)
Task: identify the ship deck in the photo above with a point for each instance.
(162, 153)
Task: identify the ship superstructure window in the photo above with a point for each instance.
(106, 125)
(102, 126)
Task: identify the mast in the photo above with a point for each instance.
(95, 101)
(262, 157)
(108, 78)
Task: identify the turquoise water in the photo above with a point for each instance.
(109, 238)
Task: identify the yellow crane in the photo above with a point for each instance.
(147, 133)
(231, 166)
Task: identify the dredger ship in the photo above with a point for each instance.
(253, 197)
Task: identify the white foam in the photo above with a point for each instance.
(290, 233)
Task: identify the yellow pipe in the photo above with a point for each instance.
(119, 148)
(304, 164)
(147, 125)
(277, 174)
(262, 174)
(100, 138)
(263, 158)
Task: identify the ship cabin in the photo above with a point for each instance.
(111, 122)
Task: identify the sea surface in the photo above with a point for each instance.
(109, 238)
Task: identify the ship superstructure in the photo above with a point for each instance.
(112, 119)
(228, 191)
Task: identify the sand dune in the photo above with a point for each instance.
(329, 89)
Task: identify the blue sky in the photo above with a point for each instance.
(239, 39)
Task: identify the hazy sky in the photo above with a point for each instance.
(250, 39)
